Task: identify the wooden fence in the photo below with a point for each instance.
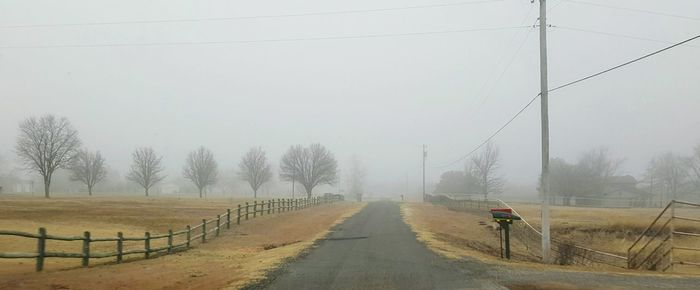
(175, 240)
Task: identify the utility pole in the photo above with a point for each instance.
(425, 154)
(545, 132)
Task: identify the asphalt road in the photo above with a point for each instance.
(375, 249)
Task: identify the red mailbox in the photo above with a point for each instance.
(504, 217)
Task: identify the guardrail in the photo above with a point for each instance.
(174, 240)
(531, 238)
(655, 247)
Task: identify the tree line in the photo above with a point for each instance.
(48, 143)
(480, 175)
(668, 174)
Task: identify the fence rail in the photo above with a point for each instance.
(655, 247)
(192, 234)
(531, 238)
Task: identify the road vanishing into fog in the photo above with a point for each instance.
(375, 249)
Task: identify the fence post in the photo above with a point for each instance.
(262, 208)
(218, 224)
(86, 249)
(670, 233)
(189, 235)
(228, 218)
(238, 216)
(255, 208)
(278, 206)
(41, 249)
(170, 241)
(269, 205)
(147, 245)
(120, 246)
(204, 230)
(246, 210)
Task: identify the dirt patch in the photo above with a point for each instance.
(235, 258)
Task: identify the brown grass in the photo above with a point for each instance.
(458, 234)
(241, 255)
(613, 230)
(102, 216)
(461, 234)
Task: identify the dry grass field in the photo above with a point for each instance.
(610, 229)
(472, 233)
(236, 258)
(102, 216)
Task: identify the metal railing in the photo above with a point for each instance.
(655, 247)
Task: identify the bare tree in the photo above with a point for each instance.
(694, 166)
(310, 166)
(564, 180)
(255, 169)
(201, 169)
(88, 168)
(146, 168)
(595, 168)
(46, 144)
(356, 178)
(672, 171)
(483, 166)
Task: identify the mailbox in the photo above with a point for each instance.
(504, 217)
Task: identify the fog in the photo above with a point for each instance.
(377, 98)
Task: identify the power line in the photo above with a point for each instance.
(616, 35)
(633, 10)
(482, 89)
(561, 87)
(177, 43)
(492, 135)
(355, 11)
(625, 63)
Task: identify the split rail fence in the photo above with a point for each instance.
(174, 240)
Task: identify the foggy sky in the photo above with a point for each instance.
(377, 98)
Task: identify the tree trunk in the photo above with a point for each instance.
(200, 193)
(146, 191)
(90, 190)
(308, 191)
(255, 193)
(47, 184)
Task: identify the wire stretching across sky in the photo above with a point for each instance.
(633, 10)
(561, 87)
(335, 12)
(222, 42)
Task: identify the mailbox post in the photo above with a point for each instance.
(504, 217)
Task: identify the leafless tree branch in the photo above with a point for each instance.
(46, 144)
